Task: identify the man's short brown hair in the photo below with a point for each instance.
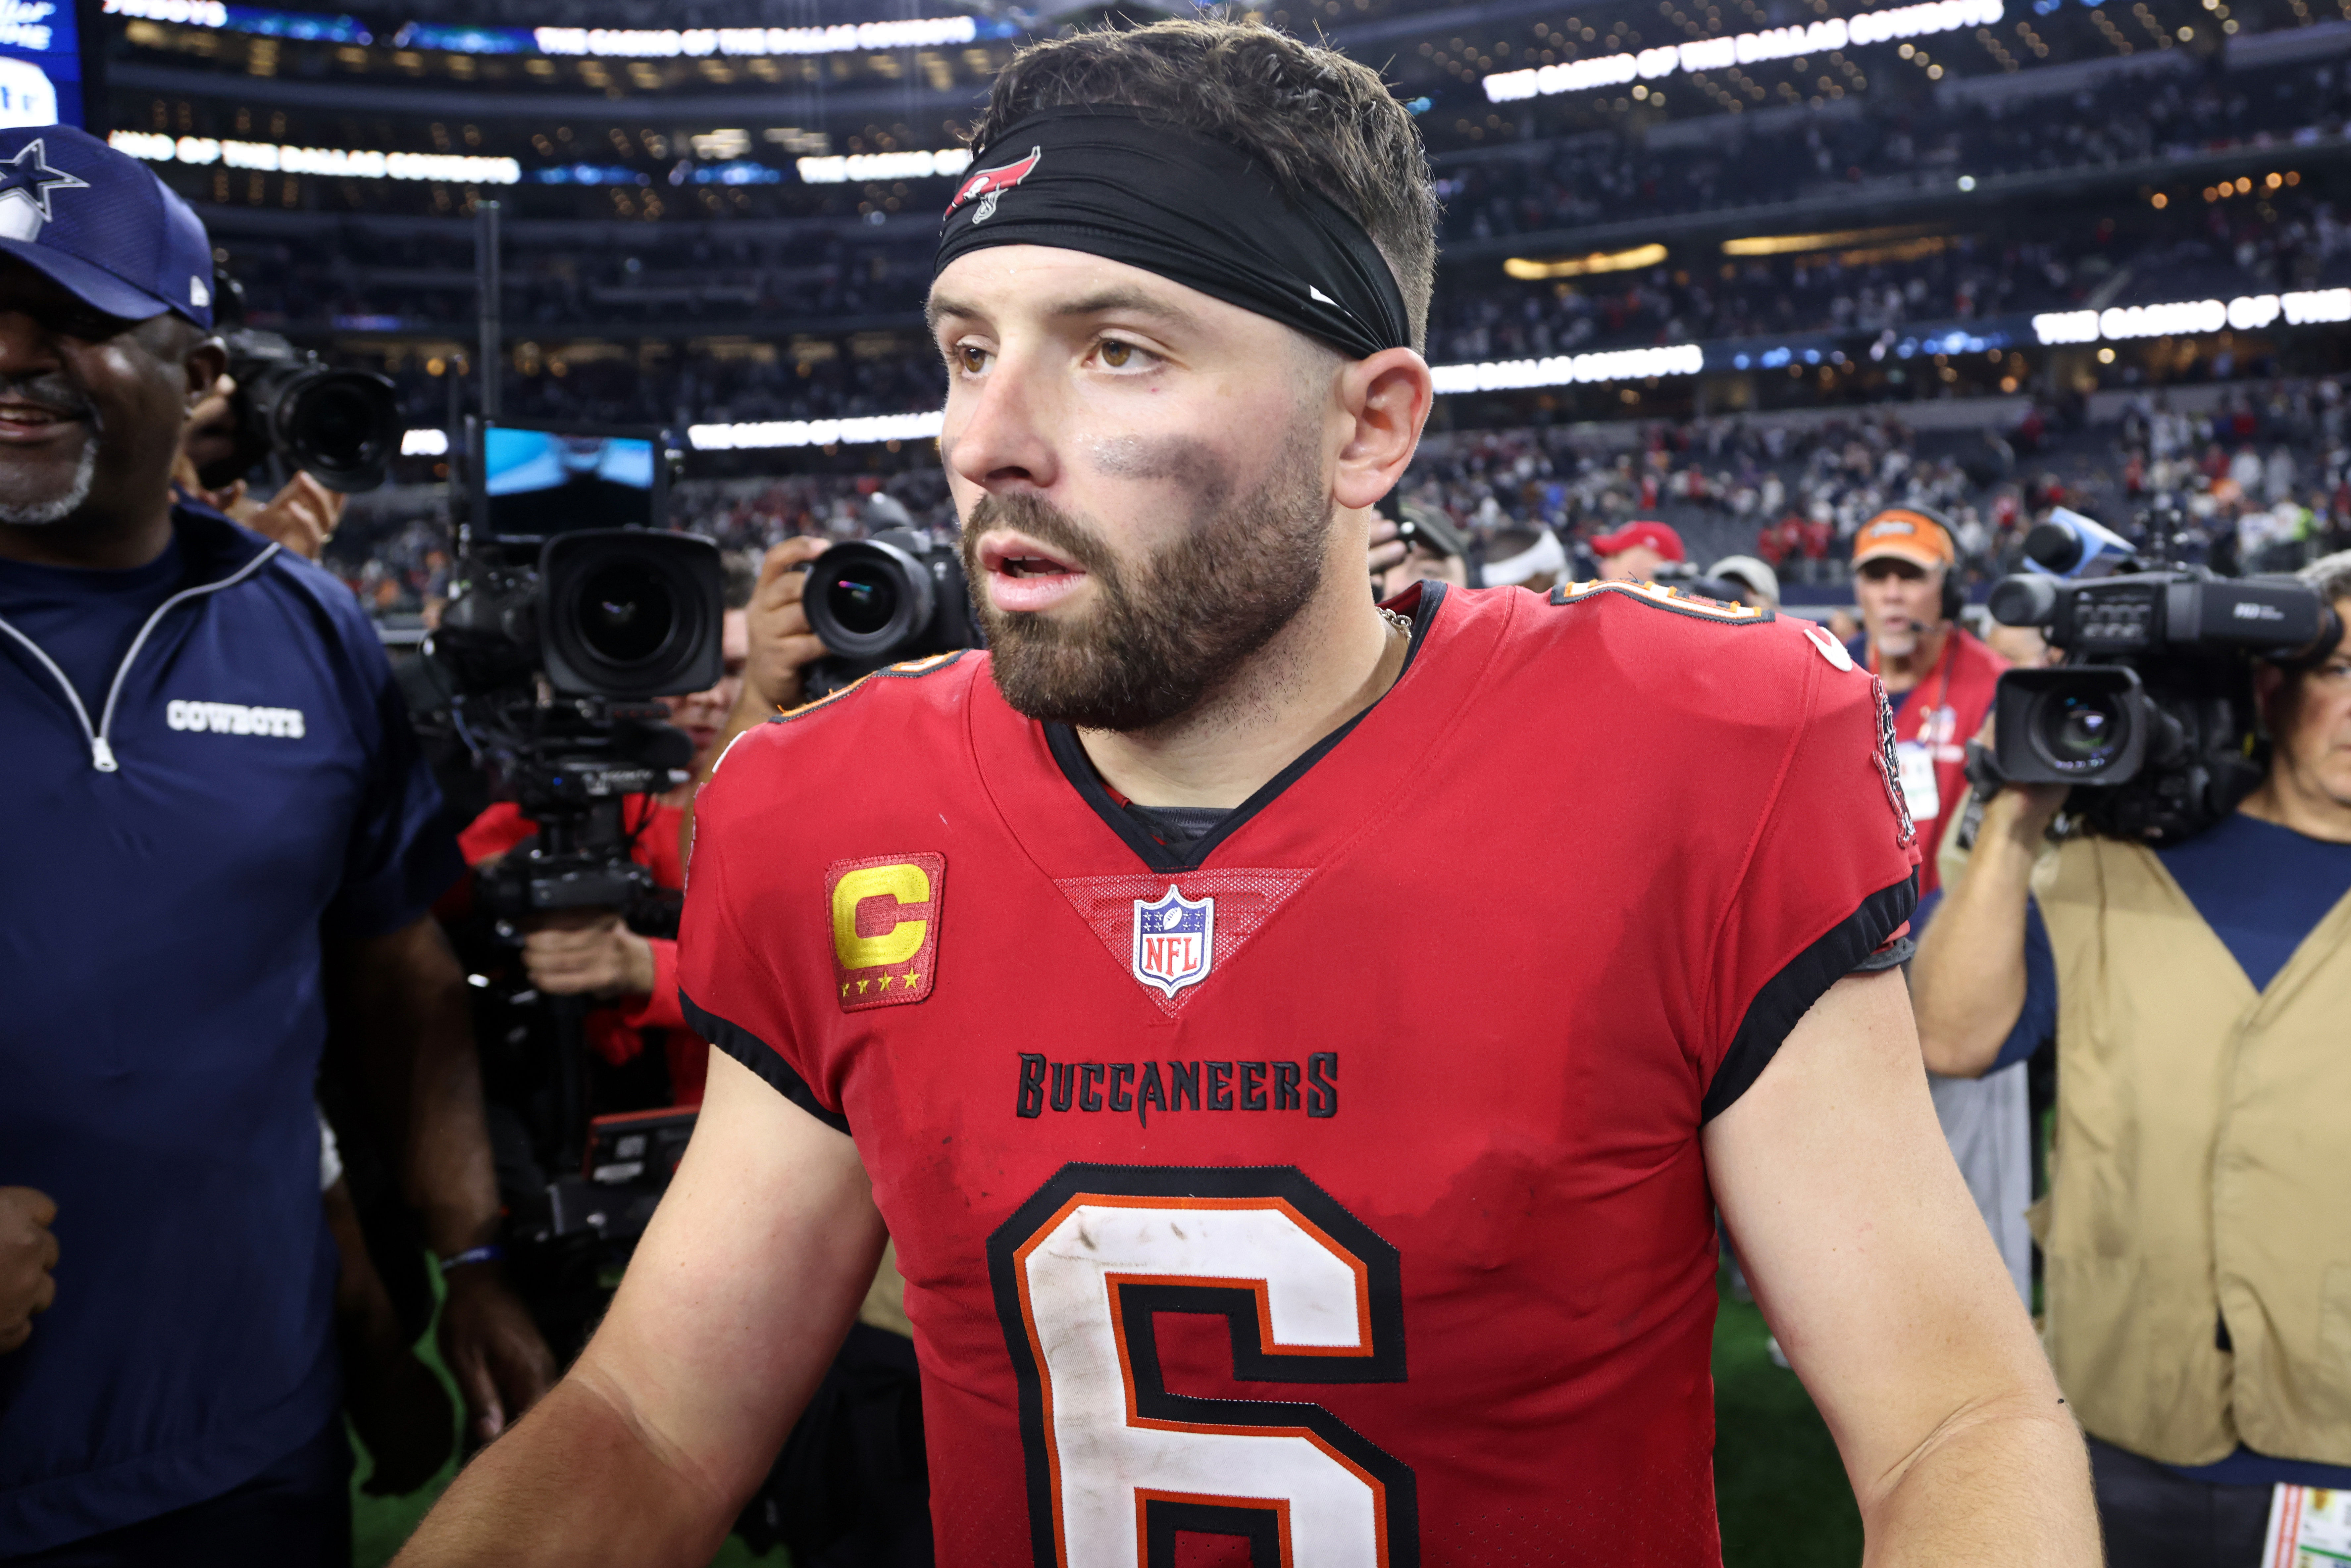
(1315, 119)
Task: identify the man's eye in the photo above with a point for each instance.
(1117, 355)
(971, 358)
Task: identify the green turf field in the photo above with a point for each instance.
(1783, 1495)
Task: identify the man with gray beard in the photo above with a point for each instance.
(221, 829)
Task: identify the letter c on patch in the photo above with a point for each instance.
(903, 884)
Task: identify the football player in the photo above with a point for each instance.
(1265, 1196)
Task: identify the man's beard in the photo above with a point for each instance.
(39, 514)
(54, 393)
(1169, 632)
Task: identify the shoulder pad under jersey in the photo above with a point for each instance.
(1663, 596)
(913, 669)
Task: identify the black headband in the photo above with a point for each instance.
(1097, 178)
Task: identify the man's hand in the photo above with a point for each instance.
(738, 1295)
(588, 952)
(492, 1350)
(27, 1253)
(781, 643)
(302, 516)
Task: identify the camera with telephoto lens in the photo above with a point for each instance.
(340, 427)
(882, 601)
(557, 645)
(2151, 717)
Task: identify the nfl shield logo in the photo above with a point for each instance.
(1174, 941)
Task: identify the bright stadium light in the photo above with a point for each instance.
(1568, 370)
(608, 43)
(860, 166)
(815, 432)
(1743, 48)
(271, 158)
(425, 442)
(2246, 313)
(1529, 270)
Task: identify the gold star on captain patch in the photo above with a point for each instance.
(913, 979)
(861, 985)
(886, 979)
(844, 988)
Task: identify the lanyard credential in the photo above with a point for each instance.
(1921, 792)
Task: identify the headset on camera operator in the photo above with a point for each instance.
(1938, 675)
(2197, 1246)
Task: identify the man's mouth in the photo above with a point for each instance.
(1025, 576)
(22, 421)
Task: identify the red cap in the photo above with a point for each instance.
(1656, 536)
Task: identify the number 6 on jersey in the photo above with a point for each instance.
(1117, 1464)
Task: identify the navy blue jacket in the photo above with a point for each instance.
(174, 869)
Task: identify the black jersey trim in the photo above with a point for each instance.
(1791, 993)
(761, 1058)
(1078, 769)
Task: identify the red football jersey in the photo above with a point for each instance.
(1330, 1192)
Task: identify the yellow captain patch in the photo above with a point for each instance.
(1665, 597)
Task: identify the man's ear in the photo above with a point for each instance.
(206, 362)
(1387, 397)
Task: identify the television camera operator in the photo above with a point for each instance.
(222, 806)
(593, 952)
(2197, 1247)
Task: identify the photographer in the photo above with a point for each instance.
(232, 833)
(301, 516)
(2194, 1231)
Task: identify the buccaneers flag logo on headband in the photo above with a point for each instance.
(989, 184)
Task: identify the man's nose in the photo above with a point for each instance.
(999, 441)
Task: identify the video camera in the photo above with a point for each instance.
(2151, 715)
(882, 601)
(571, 614)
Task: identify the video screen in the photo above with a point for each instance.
(541, 482)
(40, 64)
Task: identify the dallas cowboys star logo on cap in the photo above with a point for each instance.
(26, 181)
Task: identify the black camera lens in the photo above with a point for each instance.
(626, 614)
(2082, 733)
(337, 422)
(873, 599)
(862, 597)
(629, 613)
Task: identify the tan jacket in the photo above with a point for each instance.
(2201, 1171)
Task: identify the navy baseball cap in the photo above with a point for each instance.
(100, 225)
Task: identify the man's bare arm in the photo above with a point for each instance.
(740, 1292)
(1876, 1272)
(1967, 982)
(401, 998)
